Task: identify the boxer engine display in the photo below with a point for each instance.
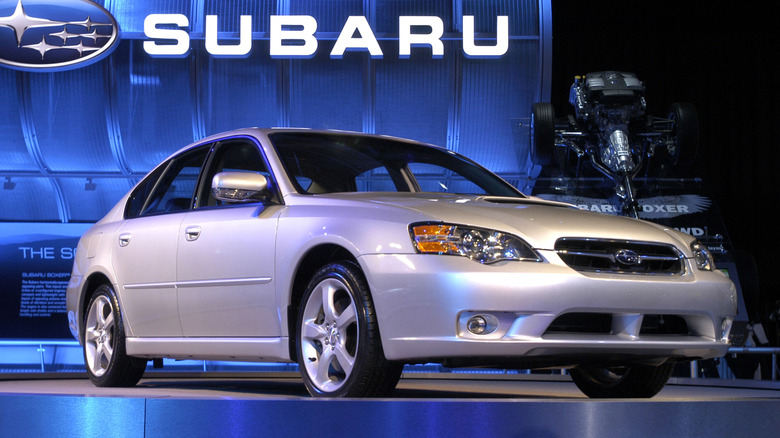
(611, 130)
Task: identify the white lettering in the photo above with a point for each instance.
(29, 252)
(433, 39)
(241, 49)
(502, 39)
(293, 36)
(67, 253)
(182, 39)
(347, 40)
(279, 34)
(693, 231)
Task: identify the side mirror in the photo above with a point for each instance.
(239, 186)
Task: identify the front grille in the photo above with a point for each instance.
(664, 325)
(614, 256)
(601, 324)
(592, 323)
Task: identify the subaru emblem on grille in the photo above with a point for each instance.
(627, 257)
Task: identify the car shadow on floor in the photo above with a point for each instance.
(407, 389)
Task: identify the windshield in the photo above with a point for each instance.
(337, 163)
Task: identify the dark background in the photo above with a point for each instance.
(722, 57)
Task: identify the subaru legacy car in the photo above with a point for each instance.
(354, 254)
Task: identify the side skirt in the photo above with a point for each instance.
(228, 349)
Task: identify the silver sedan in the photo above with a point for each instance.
(354, 254)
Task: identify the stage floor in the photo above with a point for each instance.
(412, 386)
(422, 405)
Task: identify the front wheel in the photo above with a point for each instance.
(104, 343)
(633, 381)
(338, 345)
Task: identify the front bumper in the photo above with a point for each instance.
(424, 302)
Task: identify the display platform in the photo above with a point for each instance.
(422, 405)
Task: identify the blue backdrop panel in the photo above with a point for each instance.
(225, 106)
(36, 198)
(130, 14)
(330, 15)
(14, 155)
(523, 15)
(426, 82)
(68, 114)
(332, 101)
(155, 108)
(485, 130)
(92, 196)
(388, 11)
(230, 12)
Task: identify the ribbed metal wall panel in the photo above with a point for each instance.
(32, 199)
(14, 155)
(331, 101)
(523, 15)
(93, 197)
(230, 11)
(227, 106)
(68, 110)
(155, 105)
(131, 14)
(413, 95)
(388, 11)
(331, 15)
(486, 133)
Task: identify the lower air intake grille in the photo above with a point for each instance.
(613, 256)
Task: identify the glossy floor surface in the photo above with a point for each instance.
(422, 405)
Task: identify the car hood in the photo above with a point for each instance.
(537, 221)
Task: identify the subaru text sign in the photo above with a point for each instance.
(54, 35)
(294, 36)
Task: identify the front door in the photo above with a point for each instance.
(225, 261)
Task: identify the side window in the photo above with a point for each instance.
(237, 155)
(175, 189)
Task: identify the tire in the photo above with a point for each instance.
(104, 343)
(542, 130)
(685, 133)
(337, 342)
(634, 381)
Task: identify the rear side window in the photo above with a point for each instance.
(172, 190)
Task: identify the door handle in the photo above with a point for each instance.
(192, 233)
(124, 239)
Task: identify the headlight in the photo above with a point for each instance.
(702, 256)
(484, 246)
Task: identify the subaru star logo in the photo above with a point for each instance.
(627, 257)
(54, 35)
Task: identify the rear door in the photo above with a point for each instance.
(144, 248)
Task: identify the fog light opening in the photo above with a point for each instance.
(482, 324)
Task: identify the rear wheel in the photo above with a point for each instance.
(685, 133)
(542, 133)
(104, 343)
(338, 345)
(634, 381)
